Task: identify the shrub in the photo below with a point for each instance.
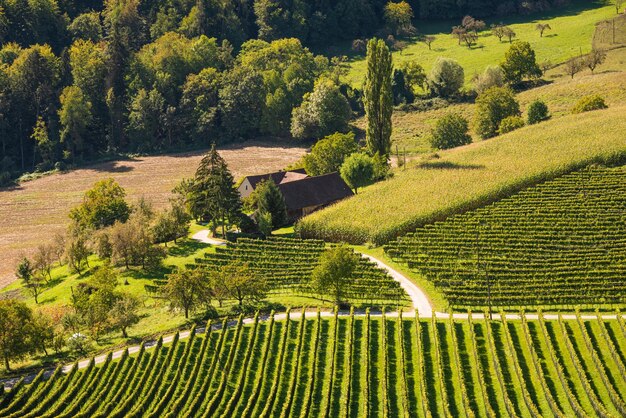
(493, 76)
(510, 123)
(450, 131)
(537, 112)
(589, 103)
(446, 77)
(492, 107)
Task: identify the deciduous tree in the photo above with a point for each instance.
(446, 77)
(492, 107)
(378, 97)
(15, 331)
(450, 131)
(334, 272)
(596, 57)
(542, 27)
(358, 170)
(520, 63)
(187, 290)
(329, 153)
(102, 205)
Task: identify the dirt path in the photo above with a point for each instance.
(203, 236)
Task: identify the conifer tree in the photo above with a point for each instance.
(269, 199)
(213, 194)
(378, 97)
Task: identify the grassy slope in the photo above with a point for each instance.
(572, 29)
(470, 176)
(411, 129)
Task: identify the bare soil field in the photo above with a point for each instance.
(33, 212)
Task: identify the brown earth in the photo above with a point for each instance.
(33, 212)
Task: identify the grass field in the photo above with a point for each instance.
(35, 211)
(571, 34)
(411, 129)
(353, 366)
(468, 177)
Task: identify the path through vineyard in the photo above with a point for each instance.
(420, 302)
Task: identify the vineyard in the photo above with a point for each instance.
(561, 243)
(287, 263)
(352, 366)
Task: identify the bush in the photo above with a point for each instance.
(492, 107)
(450, 131)
(446, 77)
(537, 112)
(589, 103)
(510, 123)
(493, 76)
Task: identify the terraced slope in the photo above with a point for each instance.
(287, 263)
(560, 243)
(353, 366)
(470, 177)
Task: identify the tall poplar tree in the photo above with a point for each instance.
(213, 194)
(378, 97)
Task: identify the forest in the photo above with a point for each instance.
(81, 80)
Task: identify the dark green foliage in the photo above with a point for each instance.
(333, 273)
(213, 196)
(328, 154)
(589, 103)
(402, 92)
(269, 200)
(378, 97)
(510, 123)
(520, 63)
(16, 320)
(102, 206)
(450, 131)
(492, 107)
(537, 112)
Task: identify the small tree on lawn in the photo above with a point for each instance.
(187, 290)
(213, 191)
(520, 63)
(618, 5)
(242, 283)
(77, 251)
(542, 27)
(428, 40)
(498, 31)
(450, 131)
(334, 272)
(15, 331)
(33, 282)
(573, 66)
(594, 58)
(509, 33)
(357, 170)
(124, 312)
(43, 260)
(102, 206)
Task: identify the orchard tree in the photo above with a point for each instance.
(542, 27)
(241, 283)
(446, 77)
(15, 331)
(450, 131)
(213, 193)
(573, 66)
(618, 5)
(124, 312)
(187, 290)
(378, 97)
(102, 205)
(328, 154)
(43, 260)
(596, 57)
(428, 40)
(335, 271)
(358, 170)
(32, 281)
(492, 107)
(493, 76)
(520, 63)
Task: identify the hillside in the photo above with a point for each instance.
(561, 243)
(571, 34)
(35, 211)
(471, 176)
(352, 366)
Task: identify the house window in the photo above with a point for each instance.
(246, 187)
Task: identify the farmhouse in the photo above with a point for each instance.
(303, 194)
(312, 193)
(249, 183)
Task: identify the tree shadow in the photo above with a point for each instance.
(447, 165)
(552, 35)
(186, 247)
(112, 167)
